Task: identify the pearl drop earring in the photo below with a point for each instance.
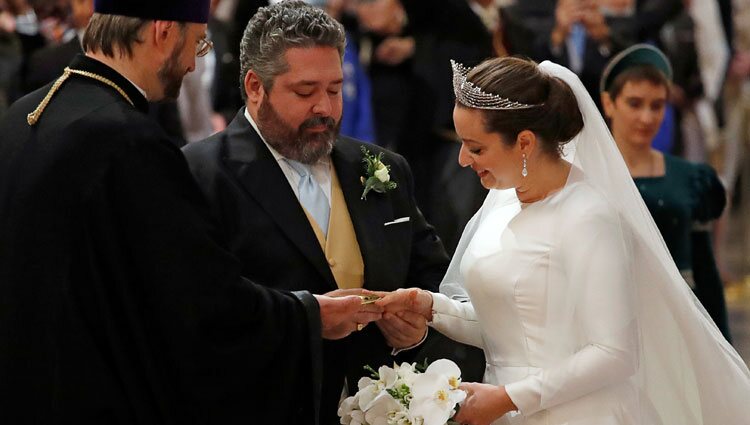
(524, 171)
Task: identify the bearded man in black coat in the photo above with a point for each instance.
(118, 303)
(281, 174)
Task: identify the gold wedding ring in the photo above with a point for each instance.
(368, 299)
(360, 326)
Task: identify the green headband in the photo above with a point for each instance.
(639, 54)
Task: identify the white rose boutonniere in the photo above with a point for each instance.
(382, 173)
(377, 175)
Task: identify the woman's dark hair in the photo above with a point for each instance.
(555, 122)
(638, 73)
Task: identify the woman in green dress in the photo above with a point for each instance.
(683, 197)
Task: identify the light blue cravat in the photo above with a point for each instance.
(311, 195)
(576, 47)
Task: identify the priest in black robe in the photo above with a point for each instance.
(118, 302)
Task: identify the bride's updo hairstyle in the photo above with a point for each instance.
(556, 119)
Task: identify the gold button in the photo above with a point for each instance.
(332, 262)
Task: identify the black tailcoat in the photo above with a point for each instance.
(117, 303)
(270, 234)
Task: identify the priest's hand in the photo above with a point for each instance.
(413, 299)
(404, 329)
(342, 315)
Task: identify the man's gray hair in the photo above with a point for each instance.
(274, 29)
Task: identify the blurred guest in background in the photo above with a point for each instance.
(198, 110)
(735, 158)
(652, 15)
(581, 35)
(357, 120)
(695, 41)
(225, 94)
(10, 54)
(20, 19)
(48, 63)
(469, 31)
(681, 196)
(387, 46)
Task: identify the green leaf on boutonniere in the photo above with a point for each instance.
(377, 175)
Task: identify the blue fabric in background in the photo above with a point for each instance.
(357, 120)
(577, 47)
(664, 140)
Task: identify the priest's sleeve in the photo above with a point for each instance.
(196, 339)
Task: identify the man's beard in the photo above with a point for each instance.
(171, 73)
(297, 144)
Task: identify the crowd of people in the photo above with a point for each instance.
(221, 214)
(397, 74)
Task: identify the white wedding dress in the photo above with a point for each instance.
(580, 309)
(506, 269)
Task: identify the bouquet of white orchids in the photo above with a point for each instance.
(405, 395)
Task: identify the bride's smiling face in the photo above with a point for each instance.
(497, 164)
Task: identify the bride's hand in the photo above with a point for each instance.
(484, 404)
(412, 299)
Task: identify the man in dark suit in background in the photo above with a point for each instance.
(579, 34)
(47, 64)
(288, 193)
(225, 96)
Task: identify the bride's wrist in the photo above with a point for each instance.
(506, 401)
(426, 302)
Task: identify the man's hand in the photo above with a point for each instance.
(218, 122)
(740, 65)
(7, 22)
(594, 21)
(395, 50)
(342, 314)
(567, 13)
(403, 329)
(618, 6)
(383, 17)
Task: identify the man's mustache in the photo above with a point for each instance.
(329, 122)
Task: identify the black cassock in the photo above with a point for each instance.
(118, 304)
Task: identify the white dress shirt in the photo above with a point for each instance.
(322, 174)
(143, 92)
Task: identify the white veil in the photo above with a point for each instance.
(685, 370)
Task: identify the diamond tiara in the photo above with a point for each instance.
(472, 96)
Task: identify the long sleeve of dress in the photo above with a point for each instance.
(594, 264)
(456, 320)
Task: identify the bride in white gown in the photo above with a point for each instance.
(562, 277)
